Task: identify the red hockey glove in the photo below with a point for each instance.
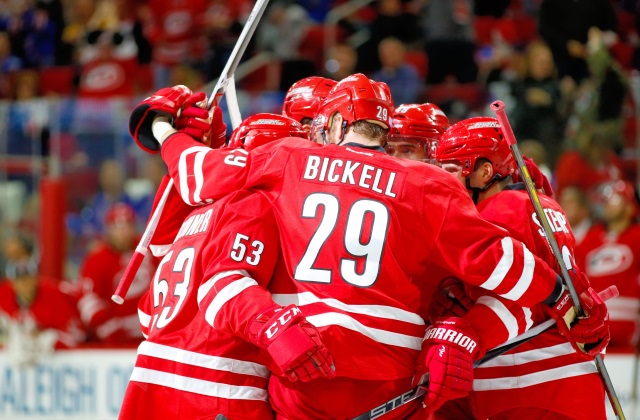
(204, 126)
(168, 102)
(292, 343)
(588, 335)
(450, 299)
(448, 351)
(539, 179)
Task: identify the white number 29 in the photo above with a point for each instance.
(382, 113)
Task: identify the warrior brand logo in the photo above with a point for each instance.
(487, 124)
(456, 337)
(268, 121)
(441, 351)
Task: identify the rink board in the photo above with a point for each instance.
(89, 384)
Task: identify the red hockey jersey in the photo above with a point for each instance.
(99, 275)
(187, 368)
(356, 227)
(50, 310)
(546, 365)
(615, 260)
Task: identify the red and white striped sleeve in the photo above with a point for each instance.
(483, 254)
(244, 256)
(202, 174)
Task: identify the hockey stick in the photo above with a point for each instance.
(499, 109)
(225, 81)
(417, 392)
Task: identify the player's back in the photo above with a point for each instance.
(186, 368)
(354, 233)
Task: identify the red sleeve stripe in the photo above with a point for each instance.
(227, 293)
(506, 317)
(225, 364)
(504, 265)
(378, 311)
(525, 279)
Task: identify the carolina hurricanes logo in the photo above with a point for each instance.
(105, 76)
(609, 259)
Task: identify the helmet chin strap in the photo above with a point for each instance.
(343, 132)
(476, 190)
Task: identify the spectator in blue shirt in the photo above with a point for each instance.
(402, 78)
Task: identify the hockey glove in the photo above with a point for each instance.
(450, 299)
(165, 102)
(293, 344)
(445, 363)
(588, 335)
(204, 126)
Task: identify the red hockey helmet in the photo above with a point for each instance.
(264, 128)
(305, 96)
(421, 121)
(474, 138)
(624, 190)
(357, 98)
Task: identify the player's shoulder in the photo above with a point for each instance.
(285, 144)
(248, 203)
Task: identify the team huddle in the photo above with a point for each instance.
(333, 258)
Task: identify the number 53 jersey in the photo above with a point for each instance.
(187, 368)
(356, 228)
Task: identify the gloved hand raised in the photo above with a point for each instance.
(166, 102)
(205, 126)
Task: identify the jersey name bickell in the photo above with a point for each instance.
(344, 171)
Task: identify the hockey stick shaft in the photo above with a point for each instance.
(221, 86)
(417, 392)
(498, 108)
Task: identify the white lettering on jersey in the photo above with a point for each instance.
(195, 224)
(456, 337)
(556, 220)
(348, 172)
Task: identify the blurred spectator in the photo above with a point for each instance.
(111, 185)
(564, 25)
(153, 169)
(538, 99)
(576, 205)
(449, 39)
(101, 270)
(599, 98)
(9, 65)
(73, 34)
(36, 316)
(394, 18)
(282, 29)
(40, 35)
(402, 78)
(590, 164)
(341, 62)
(610, 255)
(536, 152)
(175, 29)
(27, 85)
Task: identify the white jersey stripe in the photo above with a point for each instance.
(183, 173)
(503, 267)
(528, 318)
(242, 367)
(145, 319)
(508, 319)
(198, 176)
(529, 356)
(198, 386)
(378, 311)
(381, 336)
(205, 288)
(226, 294)
(525, 279)
(517, 382)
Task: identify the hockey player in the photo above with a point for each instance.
(260, 129)
(610, 253)
(346, 261)
(416, 129)
(304, 97)
(530, 381)
(189, 367)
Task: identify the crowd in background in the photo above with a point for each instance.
(566, 69)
